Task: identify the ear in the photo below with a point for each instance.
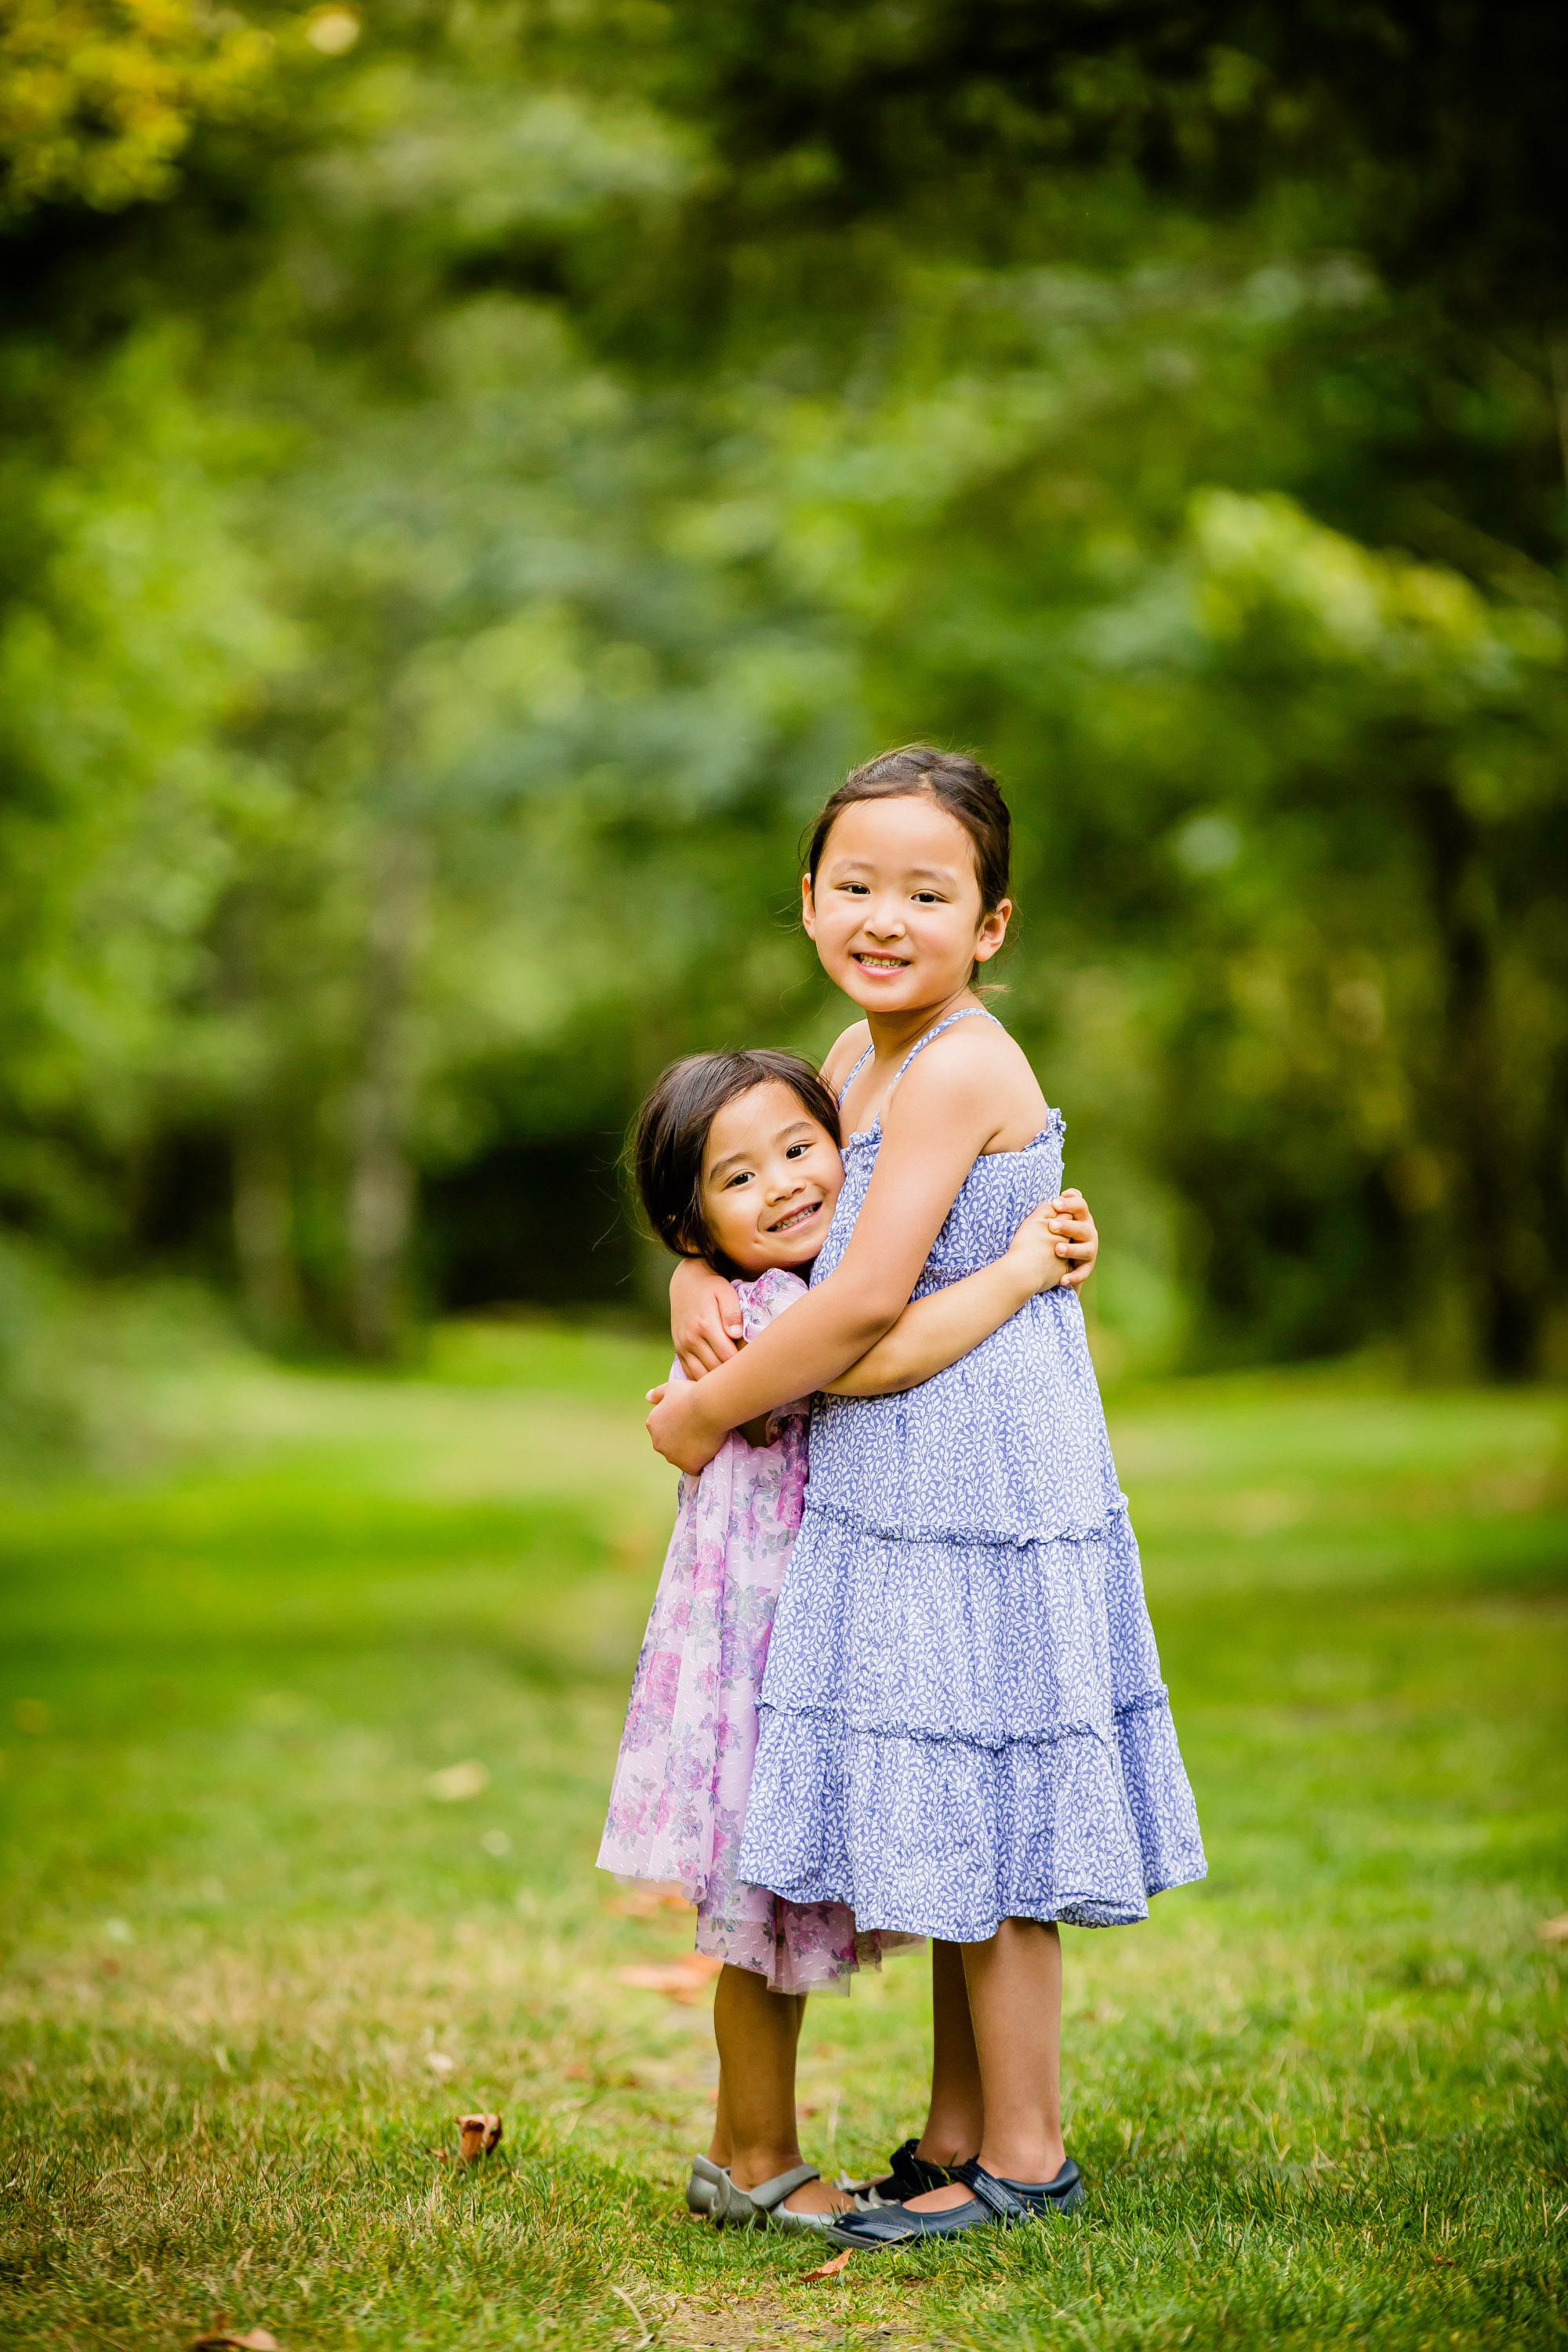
(807, 911)
(993, 931)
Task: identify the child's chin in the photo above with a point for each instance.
(802, 1251)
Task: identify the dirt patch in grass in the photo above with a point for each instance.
(768, 2320)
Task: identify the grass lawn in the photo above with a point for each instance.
(259, 1954)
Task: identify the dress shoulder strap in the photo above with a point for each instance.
(855, 1074)
(966, 1012)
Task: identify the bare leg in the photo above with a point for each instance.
(1014, 1982)
(757, 2031)
(721, 2147)
(955, 2120)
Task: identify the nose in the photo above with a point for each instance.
(781, 1186)
(885, 920)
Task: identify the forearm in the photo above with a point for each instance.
(819, 1338)
(921, 1168)
(934, 1332)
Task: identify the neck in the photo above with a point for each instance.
(892, 1034)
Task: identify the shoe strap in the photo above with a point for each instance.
(1002, 2198)
(769, 2193)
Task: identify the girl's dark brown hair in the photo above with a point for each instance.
(671, 1135)
(958, 783)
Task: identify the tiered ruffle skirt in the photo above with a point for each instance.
(955, 1732)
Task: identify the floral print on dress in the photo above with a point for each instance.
(678, 1800)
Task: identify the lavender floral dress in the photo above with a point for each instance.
(677, 1802)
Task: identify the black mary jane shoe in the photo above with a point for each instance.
(909, 2176)
(994, 2201)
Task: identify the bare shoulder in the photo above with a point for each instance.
(975, 1068)
(843, 1052)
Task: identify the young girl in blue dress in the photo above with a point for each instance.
(963, 1729)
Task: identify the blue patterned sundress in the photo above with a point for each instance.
(962, 1718)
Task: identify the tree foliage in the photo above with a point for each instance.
(99, 97)
(475, 473)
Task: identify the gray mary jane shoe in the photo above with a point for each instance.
(702, 2189)
(762, 2208)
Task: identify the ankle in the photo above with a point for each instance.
(948, 2144)
(1033, 2161)
(748, 2168)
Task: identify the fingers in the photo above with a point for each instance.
(656, 1396)
(1071, 1220)
(704, 1349)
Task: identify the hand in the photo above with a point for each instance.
(705, 1320)
(1078, 1243)
(680, 1430)
(1034, 1250)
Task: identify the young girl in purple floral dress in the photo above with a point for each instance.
(738, 1163)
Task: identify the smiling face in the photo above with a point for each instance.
(895, 908)
(770, 1174)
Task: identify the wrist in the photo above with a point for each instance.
(700, 1416)
(1026, 1280)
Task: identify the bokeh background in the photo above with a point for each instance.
(475, 474)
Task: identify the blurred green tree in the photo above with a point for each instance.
(476, 472)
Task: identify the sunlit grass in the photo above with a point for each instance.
(256, 1962)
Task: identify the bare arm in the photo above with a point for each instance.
(934, 1332)
(942, 1115)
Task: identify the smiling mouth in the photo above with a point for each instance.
(880, 962)
(791, 1222)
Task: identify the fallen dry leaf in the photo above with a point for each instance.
(477, 2136)
(256, 2340)
(1553, 1931)
(829, 2270)
(682, 1979)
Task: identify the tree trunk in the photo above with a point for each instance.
(1557, 351)
(263, 1227)
(1491, 1217)
(380, 1175)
